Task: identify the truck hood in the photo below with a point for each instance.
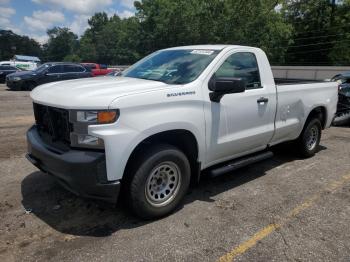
(91, 93)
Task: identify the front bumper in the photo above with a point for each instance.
(15, 85)
(82, 172)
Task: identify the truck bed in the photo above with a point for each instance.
(295, 98)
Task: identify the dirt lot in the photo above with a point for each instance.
(282, 209)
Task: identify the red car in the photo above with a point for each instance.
(97, 69)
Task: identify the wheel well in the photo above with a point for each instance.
(30, 82)
(320, 113)
(184, 140)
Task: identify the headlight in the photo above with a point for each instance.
(97, 117)
(16, 78)
(81, 120)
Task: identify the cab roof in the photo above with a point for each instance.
(206, 47)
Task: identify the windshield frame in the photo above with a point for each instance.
(45, 66)
(213, 55)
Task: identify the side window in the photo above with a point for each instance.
(79, 69)
(241, 65)
(55, 69)
(72, 69)
(102, 66)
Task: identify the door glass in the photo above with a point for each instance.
(72, 69)
(80, 69)
(241, 65)
(55, 69)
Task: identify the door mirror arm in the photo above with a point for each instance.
(221, 86)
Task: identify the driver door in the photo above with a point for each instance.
(240, 123)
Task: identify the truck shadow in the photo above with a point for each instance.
(73, 215)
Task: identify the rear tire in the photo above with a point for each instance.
(160, 182)
(310, 138)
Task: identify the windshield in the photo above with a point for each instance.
(172, 66)
(341, 79)
(42, 68)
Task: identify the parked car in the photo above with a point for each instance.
(48, 72)
(342, 116)
(177, 114)
(5, 70)
(97, 69)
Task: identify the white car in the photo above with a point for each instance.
(171, 116)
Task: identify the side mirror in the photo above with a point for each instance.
(225, 85)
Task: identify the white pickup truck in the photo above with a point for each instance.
(171, 116)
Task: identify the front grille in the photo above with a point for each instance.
(53, 124)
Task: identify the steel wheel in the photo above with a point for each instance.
(163, 184)
(312, 137)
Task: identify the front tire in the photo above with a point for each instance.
(310, 138)
(30, 86)
(160, 182)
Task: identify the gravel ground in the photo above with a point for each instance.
(281, 209)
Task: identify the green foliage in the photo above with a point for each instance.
(110, 40)
(12, 44)
(321, 32)
(167, 23)
(310, 32)
(72, 58)
(340, 52)
(62, 42)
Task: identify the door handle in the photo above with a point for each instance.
(262, 100)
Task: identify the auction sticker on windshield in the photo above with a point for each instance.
(202, 52)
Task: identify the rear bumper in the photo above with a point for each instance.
(81, 172)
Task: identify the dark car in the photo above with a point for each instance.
(6, 70)
(342, 116)
(48, 72)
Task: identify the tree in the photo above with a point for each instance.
(321, 32)
(12, 44)
(87, 50)
(110, 40)
(62, 42)
(72, 58)
(167, 23)
(340, 53)
(310, 32)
